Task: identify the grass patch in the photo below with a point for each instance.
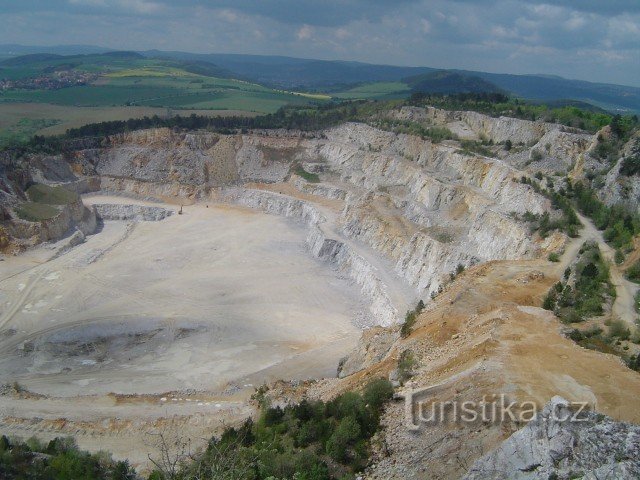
(46, 194)
(379, 90)
(35, 212)
(308, 176)
(23, 129)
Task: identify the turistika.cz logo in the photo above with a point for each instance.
(421, 408)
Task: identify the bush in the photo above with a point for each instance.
(406, 364)
(630, 166)
(619, 330)
(377, 393)
(554, 257)
(344, 436)
(410, 319)
(549, 301)
(633, 272)
(60, 460)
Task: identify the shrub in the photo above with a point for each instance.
(633, 272)
(619, 330)
(410, 319)
(630, 166)
(406, 363)
(554, 257)
(345, 435)
(536, 156)
(377, 393)
(549, 301)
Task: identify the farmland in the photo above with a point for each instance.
(124, 86)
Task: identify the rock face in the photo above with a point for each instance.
(106, 211)
(404, 213)
(592, 447)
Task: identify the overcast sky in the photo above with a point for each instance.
(597, 40)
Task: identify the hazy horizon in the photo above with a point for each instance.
(582, 40)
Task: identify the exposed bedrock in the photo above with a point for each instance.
(107, 211)
(71, 217)
(555, 446)
(404, 212)
(327, 245)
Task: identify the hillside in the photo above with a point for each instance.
(271, 253)
(445, 82)
(323, 75)
(47, 93)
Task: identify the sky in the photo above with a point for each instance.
(595, 40)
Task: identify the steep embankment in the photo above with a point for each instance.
(401, 218)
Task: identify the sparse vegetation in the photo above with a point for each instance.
(631, 164)
(35, 212)
(410, 319)
(58, 459)
(308, 176)
(633, 272)
(591, 288)
(498, 104)
(568, 221)
(619, 330)
(311, 440)
(406, 364)
(470, 147)
(435, 133)
(620, 225)
(46, 194)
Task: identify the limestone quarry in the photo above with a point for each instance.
(197, 266)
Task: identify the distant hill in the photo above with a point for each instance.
(298, 73)
(289, 73)
(447, 82)
(13, 50)
(42, 63)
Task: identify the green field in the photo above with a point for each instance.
(132, 81)
(378, 91)
(40, 193)
(125, 86)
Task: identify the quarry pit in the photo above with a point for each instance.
(216, 298)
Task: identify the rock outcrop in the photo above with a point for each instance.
(563, 444)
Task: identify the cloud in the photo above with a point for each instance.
(592, 39)
(304, 32)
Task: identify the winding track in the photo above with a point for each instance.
(624, 305)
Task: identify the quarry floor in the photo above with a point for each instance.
(177, 319)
